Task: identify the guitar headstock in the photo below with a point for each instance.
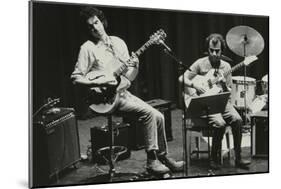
(249, 59)
(158, 36)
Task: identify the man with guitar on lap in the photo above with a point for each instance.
(216, 66)
(102, 53)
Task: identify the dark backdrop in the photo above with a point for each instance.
(57, 36)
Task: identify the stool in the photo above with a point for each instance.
(105, 153)
(110, 154)
(100, 142)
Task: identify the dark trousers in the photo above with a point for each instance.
(218, 136)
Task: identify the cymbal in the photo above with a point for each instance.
(244, 41)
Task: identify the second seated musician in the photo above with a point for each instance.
(102, 52)
(215, 45)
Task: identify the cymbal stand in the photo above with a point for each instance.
(245, 42)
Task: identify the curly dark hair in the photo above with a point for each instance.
(89, 11)
(216, 37)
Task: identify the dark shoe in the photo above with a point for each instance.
(174, 166)
(156, 167)
(242, 164)
(214, 165)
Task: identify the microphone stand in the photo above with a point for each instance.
(181, 69)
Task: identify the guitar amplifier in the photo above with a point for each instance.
(260, 134)
(136, 130)
(55, 145)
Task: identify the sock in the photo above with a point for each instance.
(151, 155)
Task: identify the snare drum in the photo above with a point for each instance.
(238, 92)
(264, 84)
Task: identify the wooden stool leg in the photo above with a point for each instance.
(221, 156)
(197, 141)
(228, 145)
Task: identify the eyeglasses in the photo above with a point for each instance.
(214, 50)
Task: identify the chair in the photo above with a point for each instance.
(200, 129)
(198, 107)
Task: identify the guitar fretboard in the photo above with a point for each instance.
(123, 67)
(236, 67)
(216, 79)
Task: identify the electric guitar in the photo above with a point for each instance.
(209, 82)
(104, 99)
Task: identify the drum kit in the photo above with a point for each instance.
(246, 41)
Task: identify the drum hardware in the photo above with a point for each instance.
(245, 41)
(258, 104)
(260, 101)
(242, 90)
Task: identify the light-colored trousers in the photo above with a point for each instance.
(152, 120)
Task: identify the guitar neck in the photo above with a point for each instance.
(234, 68)
(124, 67)
(216, 79)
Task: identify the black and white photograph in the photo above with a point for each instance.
(126, 94)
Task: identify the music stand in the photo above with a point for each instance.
(204, 106)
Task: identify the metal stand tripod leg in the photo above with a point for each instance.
(111, 142)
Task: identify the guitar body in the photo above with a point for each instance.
(104, 99)
(204, 82)
(209, 82)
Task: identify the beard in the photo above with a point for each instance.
(215, 61)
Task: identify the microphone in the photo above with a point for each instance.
(164, 44)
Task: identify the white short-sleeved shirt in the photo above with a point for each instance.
(202, 66)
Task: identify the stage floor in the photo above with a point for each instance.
(85, 170)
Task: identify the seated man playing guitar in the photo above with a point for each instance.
(213, 67)
(104, 66)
